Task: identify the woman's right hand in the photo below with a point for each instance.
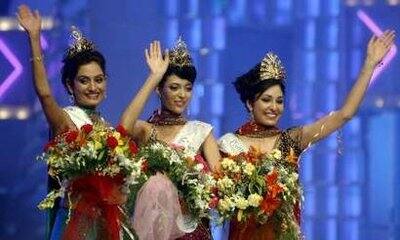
(156, 62)
(378, 47)
(29, 20)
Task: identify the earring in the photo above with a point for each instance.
(188, 111)
(71, 99)
(250, 115)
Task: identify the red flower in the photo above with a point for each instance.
(122, 130)
(215, 191)
(71, 136)
(133, 147)
(213, 202)
(49, 145)
(145, 166)
(199, 159)
(87, 128)
(112, 142)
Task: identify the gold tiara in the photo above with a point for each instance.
(179, 55)
(79, 44)
(271, 68)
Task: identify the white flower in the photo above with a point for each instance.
(199, 167)
(174, 158)
(124, 161)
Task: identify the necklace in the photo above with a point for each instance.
(166, 117)
(254, 130)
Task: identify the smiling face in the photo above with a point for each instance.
(268, 107)
(175, 94)
(89, 85)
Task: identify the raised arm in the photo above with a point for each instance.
(211, 152)
(158, 66)
(31, 22)
(377, 49)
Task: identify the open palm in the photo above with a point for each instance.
(29, 20)
(378, 47)
(156, 62)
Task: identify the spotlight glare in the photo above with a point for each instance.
(393, 2)
(379, 102)
(5, 113)
(22, 114)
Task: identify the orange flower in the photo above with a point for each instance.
(253, 155)
(273, 186)
(274, 190)
(271, 177)
(292, 157)
(218, 174)
(269, 204)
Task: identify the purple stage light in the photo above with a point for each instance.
(10, 79)
(43, 42)
(371, 25)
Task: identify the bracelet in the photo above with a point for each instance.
(38, 59)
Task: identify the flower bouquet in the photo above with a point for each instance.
(94, 167)
(188, 175)
(265, 187)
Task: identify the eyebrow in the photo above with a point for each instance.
(179, 84)
(98, 75)
(267, 95)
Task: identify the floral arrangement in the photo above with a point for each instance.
(94, 150)
(189, 175)
(261, 186)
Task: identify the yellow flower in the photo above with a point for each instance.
(225, 204)
(97, 145)
(227, 163)
(249, 169)
(117, 135)
(225, 183)
(277, 154)
(241, 203)
(254, 199)
(119, 150)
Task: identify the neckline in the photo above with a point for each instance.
(247, 146)
(154, 134)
